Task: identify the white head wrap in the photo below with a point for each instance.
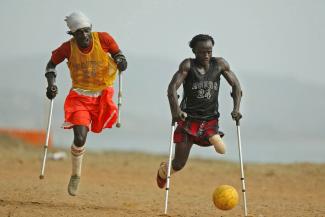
(77, 20)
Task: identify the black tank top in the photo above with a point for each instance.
(200, 98)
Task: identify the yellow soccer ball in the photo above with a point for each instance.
(225, 197)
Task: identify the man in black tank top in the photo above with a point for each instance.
(197, 116)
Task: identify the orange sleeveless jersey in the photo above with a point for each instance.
(93, 71)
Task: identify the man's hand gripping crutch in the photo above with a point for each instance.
(120, 60)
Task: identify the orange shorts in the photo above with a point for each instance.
(94, 112)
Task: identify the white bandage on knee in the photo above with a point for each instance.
(76, 156)
(163, 170)
(218, 144)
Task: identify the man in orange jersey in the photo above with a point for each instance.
(93, 59)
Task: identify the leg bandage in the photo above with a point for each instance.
(163, 169)
(76, 156)
(218, 144)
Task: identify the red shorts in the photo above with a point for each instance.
(94, 112)
(196, 131)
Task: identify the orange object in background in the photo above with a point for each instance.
(32, 137)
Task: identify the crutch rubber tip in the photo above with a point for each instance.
(118, 125)
(41, 177)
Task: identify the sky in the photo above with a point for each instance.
(276, 49)
(270, 37)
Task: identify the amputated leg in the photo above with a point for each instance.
(218, 144)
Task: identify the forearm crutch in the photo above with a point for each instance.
(47, 140)
(169, 164)
(119, 102)
(242, 178)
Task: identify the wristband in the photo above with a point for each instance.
(50, 72)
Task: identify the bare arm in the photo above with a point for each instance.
(50, 75)
(173, 86)
(236, 90)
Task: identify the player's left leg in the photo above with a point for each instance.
(214, 136)
(218, 143)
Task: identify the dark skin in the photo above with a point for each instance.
(84, 39)
(203, 55)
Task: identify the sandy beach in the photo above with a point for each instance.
(122, 184)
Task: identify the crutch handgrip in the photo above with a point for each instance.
(54, 88)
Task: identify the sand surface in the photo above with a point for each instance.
(123, 184)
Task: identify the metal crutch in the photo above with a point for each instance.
(169, 164)
(242, 178)
(119, 104)
(47, 140)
